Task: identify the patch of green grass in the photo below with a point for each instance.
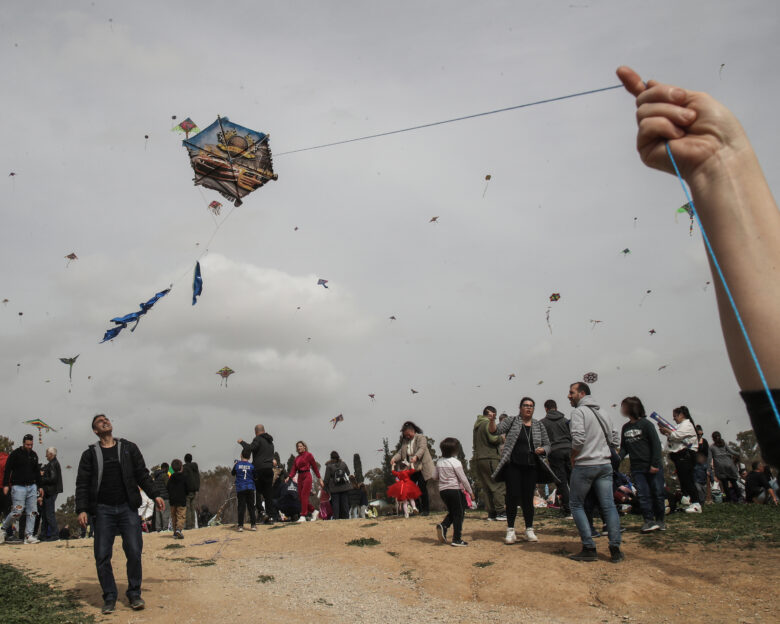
(173, 546)
(205, 564)
(392, 553)
(25, 599)
(266, 578)
(370, 524)
(364, 541)
(195, 561)
(483, 564)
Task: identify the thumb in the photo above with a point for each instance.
(631, 80)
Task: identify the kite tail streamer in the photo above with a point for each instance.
(727, 290)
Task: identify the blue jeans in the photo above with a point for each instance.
(24, 500)
(583, 478)
(650, 492)
(49, 528)
(110, 521)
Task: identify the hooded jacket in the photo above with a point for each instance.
(262, 449)
(134, 475)
(192, 474)
(21, 468)
(589, 433)
(558, 430)
(486, 444)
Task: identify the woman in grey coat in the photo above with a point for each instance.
(526, 439)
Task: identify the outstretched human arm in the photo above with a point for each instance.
(740, 217)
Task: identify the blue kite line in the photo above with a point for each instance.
(726, 288)
(454, 119)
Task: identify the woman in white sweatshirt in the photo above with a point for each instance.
(452, 484)
(683, 443)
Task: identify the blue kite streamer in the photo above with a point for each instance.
(197, 284)
(121, 322)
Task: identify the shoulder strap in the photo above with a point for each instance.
(607, 437)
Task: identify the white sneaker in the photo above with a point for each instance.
(510, 538)
(530, 536)
(694, 508)
(301, 519)
(31, 539)
(315, 515)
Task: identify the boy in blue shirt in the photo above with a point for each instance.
(244, 472)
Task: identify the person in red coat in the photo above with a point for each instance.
(302, 466)
(404, 490)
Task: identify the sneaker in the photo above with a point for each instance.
(109, 606)
(694, 508)
(253, 528)
(594, 534)
(661, 526)
(649, 527)
(530, 536)
(137, 603)
(492, 518)
(178, 535)
(31, 539)
(301, 519)
(240, 529)
(441, 533)
(500, 517)
(315, 515)
(458, 543)
(615, 555)
(510, 538)
(586, 554)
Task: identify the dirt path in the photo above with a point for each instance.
(307, 572)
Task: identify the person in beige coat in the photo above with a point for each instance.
(413, 449)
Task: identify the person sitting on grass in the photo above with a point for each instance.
(757, 487)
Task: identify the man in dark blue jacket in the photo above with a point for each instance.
(109, 475)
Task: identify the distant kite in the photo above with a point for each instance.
(197, 284)
(187, 127)
(71, 257)
(647, 293)
(414, 391)
(555, 297)
(392, 318)
(322, 282)
(539, 383)
(660, 368)
(706, 285)
(5, 301)
(12, 174)
(652, 332)
(337, 420)
(40, 426)
(121, 322)
(625, 252)
(720, 71)
(372, 397)
(434, 220)
(225, 372)
(687, 209)
(547, 318)
(590, 378)
(295, 229)
(70, 362)
(511, 376)
(487, 181)
(593, 323)
(215, 207)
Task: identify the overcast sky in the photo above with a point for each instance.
(83, 82)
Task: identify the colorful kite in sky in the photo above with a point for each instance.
(322, 282)
(590, 378)
(71, 257)
(121, 322)
(230, 159)
(197, 284)
(187, 127)
(337, 420)
(372, 397)
(512, 376)
(652, 332)
(215, 207)
(555, 297)
(225, 372)
(70, 362)
(40, 426)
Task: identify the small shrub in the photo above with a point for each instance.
(483, 564)
(266, 578)
(364, 541)
(173, 546)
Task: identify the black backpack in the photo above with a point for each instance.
(340, 476)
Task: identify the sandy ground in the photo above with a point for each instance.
(410, 577)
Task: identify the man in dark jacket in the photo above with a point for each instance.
(192, 476)
(51, 480)
(262, 449)
(162, 517)
(23, 480)
(109, 475)
(560, 455)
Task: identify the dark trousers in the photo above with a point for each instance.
(246, 499)
(264, 479)
(339, 502)
(560, 462)
(110, 521)
(422, 502)
(650, 492)
(520, 488)
(684, 463)
(49, 520)
(455, 502)
(730, 490)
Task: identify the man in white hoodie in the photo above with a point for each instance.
(592, 438)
